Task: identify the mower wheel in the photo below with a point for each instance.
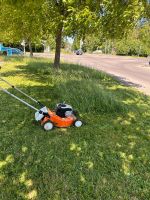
(48, 126)
(78, 123)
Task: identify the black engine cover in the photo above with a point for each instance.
(62, 108)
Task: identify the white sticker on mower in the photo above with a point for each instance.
(38, 115)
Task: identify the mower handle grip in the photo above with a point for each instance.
(42, 105)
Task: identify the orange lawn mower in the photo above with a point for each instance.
(63, 116)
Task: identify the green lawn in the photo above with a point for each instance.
(106, 159)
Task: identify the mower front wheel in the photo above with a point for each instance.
(48, 126)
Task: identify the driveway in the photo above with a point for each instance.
(129, 70)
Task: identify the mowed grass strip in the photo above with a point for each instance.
(107, 158)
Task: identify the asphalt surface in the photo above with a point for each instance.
(131, 71)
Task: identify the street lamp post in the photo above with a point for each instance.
(23, 43)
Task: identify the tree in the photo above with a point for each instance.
(91, 43)
(136, 42)
(146, 13)
(144, 36)
(62, 18)
(21, 20)
(66, 17)
(120, 16)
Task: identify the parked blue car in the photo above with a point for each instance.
(8, 51)
(17, 51)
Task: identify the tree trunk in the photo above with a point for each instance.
(30, 48)
(58, 46)
(105, 47)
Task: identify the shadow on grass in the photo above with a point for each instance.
(44, 69)
(70, 76)
(73, 163)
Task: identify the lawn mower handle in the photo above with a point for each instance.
(38, 102)
(24, 102)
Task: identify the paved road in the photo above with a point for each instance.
(131, 71)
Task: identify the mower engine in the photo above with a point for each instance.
(64, 110)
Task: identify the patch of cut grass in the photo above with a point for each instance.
(108, 158)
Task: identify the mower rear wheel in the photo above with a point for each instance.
(48, 126)
(78, 123)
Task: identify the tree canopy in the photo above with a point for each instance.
(35, 20)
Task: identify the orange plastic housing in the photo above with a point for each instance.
(58, 121)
